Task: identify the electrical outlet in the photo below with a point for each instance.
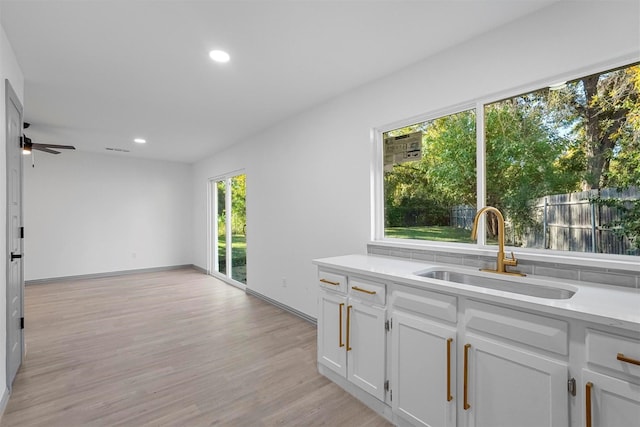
(134, 255)
(284, 282)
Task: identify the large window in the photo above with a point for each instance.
(562, 163)
(229, 227)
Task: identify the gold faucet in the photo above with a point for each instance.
(503, 262)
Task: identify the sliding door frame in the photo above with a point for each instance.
(212, 228)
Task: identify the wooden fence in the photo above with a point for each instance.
(567, 222)
(573, 222)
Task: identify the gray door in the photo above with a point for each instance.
(15, 272)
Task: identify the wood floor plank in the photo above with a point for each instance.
(175, 348)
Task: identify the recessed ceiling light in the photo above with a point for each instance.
(140, 140)
(219, 56)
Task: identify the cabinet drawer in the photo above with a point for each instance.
(333, 281)
(526, 328)
(374, 293)
(613, 352)
(426, 303)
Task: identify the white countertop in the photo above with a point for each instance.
(608, 305)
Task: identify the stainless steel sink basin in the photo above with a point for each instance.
(519, 286)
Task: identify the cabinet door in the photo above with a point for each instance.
(507, 386)
(613, 402)
(366, 347)
(331, 332)
(423, 371)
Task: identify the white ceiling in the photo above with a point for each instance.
(100, 73)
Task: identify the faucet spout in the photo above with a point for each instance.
(502, 262)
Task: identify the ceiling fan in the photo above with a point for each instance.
(28, 146)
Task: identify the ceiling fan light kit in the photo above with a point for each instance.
(28, 146)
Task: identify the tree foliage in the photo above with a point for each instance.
(238, 205)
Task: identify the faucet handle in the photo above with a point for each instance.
(512, 260)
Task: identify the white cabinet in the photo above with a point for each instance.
(351, 332)
(491, 370)
(331, 332)
(423, 370)
(453, 360)
(507, 386)
(609, 401)
(423, 357)
(366, 340)
(612, 396)
(512, 368)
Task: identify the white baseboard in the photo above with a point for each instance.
(110, 274)
(285, 307)
(3, 402)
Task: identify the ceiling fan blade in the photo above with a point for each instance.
(66, 147)
(46, 150)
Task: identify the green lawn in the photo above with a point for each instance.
(238, 256)
(238, 246)
(437, 233)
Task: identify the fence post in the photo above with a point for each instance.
(544, 225)
(593, 226)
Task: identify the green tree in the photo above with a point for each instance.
(526, 158)
(238, 204)
(602, 114)
(423, 192)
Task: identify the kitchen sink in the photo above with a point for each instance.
(530, 287)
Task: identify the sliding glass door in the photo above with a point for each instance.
(229, 217)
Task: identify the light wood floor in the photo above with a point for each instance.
(176, 348)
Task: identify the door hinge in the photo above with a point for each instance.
(386, 385)
(22, 323)
(388, 325)
(391, 395)
(22, 232)
(571, 386)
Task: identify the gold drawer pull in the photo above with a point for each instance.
(621, 357)
(366, 291)
(465, 404)
(340, 325)
(449, 397)
(329, 282)
(348, 327)
(587, 396)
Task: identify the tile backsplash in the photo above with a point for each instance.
(604, 276)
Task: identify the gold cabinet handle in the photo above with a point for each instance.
(366, 291)
(449, 397)
(466, 377)
(329, 282)
(621, 357)
(587, 396)
(340, 325)
(348, 327)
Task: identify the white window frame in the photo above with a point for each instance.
(610, 261)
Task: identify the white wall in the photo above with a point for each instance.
(9, 69)
(308, 178)
(90, 213)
